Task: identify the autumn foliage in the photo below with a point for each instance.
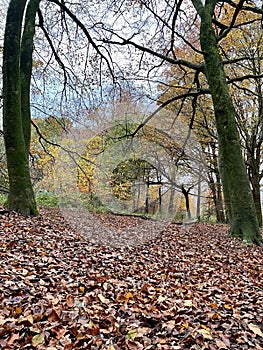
(191, 287)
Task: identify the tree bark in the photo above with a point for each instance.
(16, 125)
(216, 186)
(254, 175)
(187, 201)
(198, 202)
(26, 68)
(236, 187)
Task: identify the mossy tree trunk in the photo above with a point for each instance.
(17, 67)
(236, 187)
(254, 175)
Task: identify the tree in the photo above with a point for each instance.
(46, 141)
(103, 37)
(203, 126)
(245, 81)
(247, 95)
(17, 67)
(236, 187)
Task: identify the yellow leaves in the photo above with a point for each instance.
(18, 310)
(205, 327)
(132, 334)
(82, 289)
(38, 339)
(188, 303)
(128, 296)
(214, 305)
(227, 307)
(30, 319)
(55, 301)
(205, 332)
(125, 298)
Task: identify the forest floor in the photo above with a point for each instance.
(185, 287)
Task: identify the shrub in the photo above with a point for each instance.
(46, 199)
(3, 199)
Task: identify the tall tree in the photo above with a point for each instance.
(250, 106)
(17, 67)
(209, 31)
(236, 187)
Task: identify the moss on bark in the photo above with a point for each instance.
(16, 132)
(236, 186)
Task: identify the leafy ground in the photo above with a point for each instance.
(190, 287)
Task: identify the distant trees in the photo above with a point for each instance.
(247, 94)
(143, 53)
(208, 76)
(210, 31)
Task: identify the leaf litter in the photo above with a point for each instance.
(190, 287)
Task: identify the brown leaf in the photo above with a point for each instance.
(14, 336)
(221, 344)
(53, 316)
(70, 300)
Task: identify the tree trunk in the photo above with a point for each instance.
(257, 201)
(219, 203)
(16, 129)
(187, 201)
(254, 175)
(236, 187)
(198, 202)
(216, 190)
(220, 215)
(26, 68)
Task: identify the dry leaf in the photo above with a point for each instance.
(14, 336)
(128, 296)
(78, 294)
(70, 300)
(102, 298)
(188, 303)
(255, 329)
(53, 316)
(220, 344)
(205, 333)
(38, 339)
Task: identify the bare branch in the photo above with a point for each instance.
(87, 34)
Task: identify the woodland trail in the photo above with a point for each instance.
(187, 287)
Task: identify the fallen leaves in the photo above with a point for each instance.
(187, 288)
(255, 329)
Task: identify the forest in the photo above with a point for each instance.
(130, 181)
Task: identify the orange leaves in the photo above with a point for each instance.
(189, 288)
(70, 300)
